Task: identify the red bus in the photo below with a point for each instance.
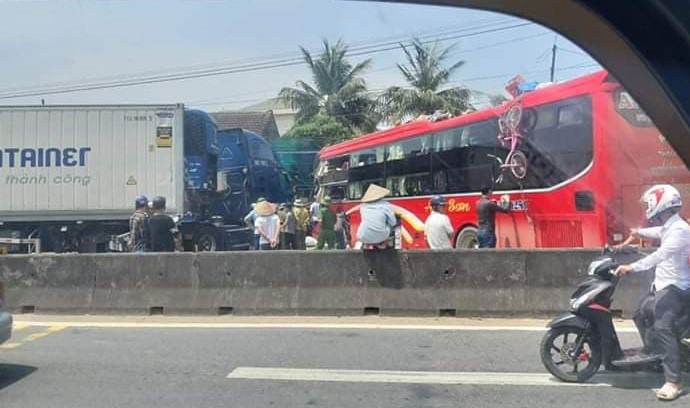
(590, 154)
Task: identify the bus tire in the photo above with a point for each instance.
(467, 238)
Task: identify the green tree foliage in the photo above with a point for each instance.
(321, 128)
(338, 89)
(428, 77)
(497, 99)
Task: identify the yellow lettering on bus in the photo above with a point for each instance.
(458, 206)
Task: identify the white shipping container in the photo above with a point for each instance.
(88, 162)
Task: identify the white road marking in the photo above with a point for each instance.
(345, 326)
(408, 377)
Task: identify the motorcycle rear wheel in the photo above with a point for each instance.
(556, 354)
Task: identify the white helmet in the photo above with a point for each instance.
(660, 198)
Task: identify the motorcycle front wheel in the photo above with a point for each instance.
(560, 357)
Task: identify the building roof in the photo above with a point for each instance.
(277, 105)
(263, 123)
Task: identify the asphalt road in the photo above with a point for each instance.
(62, 365)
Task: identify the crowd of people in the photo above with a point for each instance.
(291, 225)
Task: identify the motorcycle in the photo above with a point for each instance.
(578, 342)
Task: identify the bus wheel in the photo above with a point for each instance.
(206, 239)
(467, 239)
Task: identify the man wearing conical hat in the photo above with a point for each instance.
(267, 225)
(378, 218)
(249, 219)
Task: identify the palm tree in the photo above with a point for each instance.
(338, 89)
(427, 76)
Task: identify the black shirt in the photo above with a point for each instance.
(160, 234)
(486, 213)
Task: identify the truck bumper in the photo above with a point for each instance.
(237, 238)
(5, 326)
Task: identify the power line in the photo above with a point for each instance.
(386, 68)
(248, 62)
(479, 78)
(232, 70)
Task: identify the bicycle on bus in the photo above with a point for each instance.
(513, 124)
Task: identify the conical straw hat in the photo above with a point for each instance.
(265, 208)
(375, 192)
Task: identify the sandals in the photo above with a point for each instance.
(669, 392)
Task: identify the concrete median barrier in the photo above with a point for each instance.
(408, 283)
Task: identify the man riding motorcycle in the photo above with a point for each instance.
(666, 302)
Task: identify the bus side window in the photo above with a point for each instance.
(560, 146)
(569, 115)
(481, 134)
(366, 167)
(460, 162)
(336, 193)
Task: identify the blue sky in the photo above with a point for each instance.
(71, 41)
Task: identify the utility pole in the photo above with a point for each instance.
(553, 60)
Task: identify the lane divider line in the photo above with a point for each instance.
(10, 345)
(408, 377)
(342, 326)
(19, 326)
(34, 336)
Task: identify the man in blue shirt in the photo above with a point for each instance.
(378, 218)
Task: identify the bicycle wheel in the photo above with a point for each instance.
(513, 117)
(502, 126)
(518, 165)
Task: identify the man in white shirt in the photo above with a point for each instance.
(666, 302)
(437, 228)
(267, 225)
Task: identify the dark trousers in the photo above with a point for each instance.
(326, 237)
(299, 239)
(265, 247)
(486, 238)
(289, 241)
(340, 239)
(655, 320)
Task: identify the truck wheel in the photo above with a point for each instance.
(467, 238)
(206, 240)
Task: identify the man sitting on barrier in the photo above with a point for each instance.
(378, 219)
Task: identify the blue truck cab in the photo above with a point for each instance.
(248, 169)
(225, 171)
